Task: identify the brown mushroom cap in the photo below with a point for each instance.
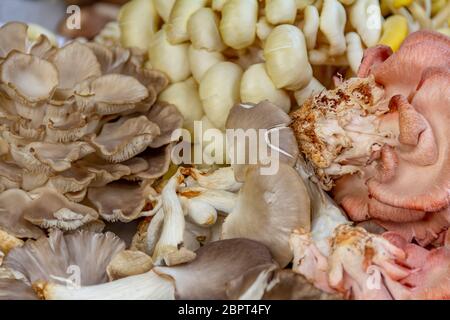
(215, 265)
(269, 208)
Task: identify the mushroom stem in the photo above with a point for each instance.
(173, 228)
(146, 286)
(221, 179)
(200, 212)
(221, 200)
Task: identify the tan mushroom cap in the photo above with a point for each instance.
(269, 208)
(51, 258)
(128, 263)
(216, 264)
(125, 138)
(52, 209)
(120, 200)
(30, 78)
(59, 156)
(12, 37)
(168, 119)
(13, 203)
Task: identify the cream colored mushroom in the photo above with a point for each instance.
(177, 26)
(172, 59)
(219, 91)
(286, 58)
(304, 94)
(128, 263)
(280, 11)
(355, 50)
(311, 26)
(203, 29)
(138, 21)
(238, 23)
(164, 7)
(332, 24)
(256, 86)
(201, 60)
(184, 95)
(365, 17)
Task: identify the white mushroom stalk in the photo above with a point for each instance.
(146, 286)
(171, 237)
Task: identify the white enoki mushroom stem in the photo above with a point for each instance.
(146, 286)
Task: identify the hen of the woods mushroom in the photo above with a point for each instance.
(82, 136)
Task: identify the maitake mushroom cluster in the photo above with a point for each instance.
(81, 134)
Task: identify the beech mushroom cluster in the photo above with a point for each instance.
(82, 136)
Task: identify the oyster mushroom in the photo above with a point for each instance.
(203, 278)
(371, 138)
(50, 209)
(78, 118)
(119, 200)
(74, 259)
(268, 208)
(128, 263)
(13, 203)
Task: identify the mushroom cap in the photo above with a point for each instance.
(13, 203)
(269, 208)
(121, 140)
(262, 116)
(52, 209)
(13, 289)
(128, 263)
(120, 200)
(12, 38)
(59, 255)
(216, 264)
(30, 78)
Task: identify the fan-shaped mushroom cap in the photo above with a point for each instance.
(125, 138)
(263, 116)
(79, 55)
(30, 78)
(120, 200)
(13, 203)
(52, 209)
(206, 277)
(12, 37)
(269, 208)
(58, 256)
(158, 163)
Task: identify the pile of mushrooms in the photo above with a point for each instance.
(374, 137)
(219, 53)
(82, 136)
